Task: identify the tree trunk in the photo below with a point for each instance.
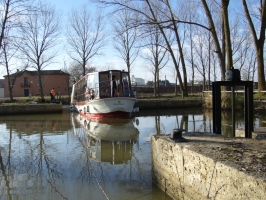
(260, 60)
(259, 43)
(215, 38)
(40, 85)
(225, 4)
(168, 46)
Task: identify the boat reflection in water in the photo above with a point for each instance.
(107, 139)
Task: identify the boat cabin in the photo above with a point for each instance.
(106, 84)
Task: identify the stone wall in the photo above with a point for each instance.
(30, 108)
(193, 170)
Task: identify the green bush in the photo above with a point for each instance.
(259, 95)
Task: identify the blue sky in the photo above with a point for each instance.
(110, 57)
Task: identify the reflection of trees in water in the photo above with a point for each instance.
(30, 164)
(261, 118)
(25, 127)
(33, 124)
(6, 169)
(226, 117)
(37, 164)
(202, 122)
(189, 122)
(192, 120)
(184, 122)
(157, 125)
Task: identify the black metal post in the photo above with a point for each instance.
(233, 111)
(216, 105)
(248, 112)
(248, 105)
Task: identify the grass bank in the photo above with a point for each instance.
(259, 99)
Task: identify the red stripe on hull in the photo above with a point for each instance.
(102, 116)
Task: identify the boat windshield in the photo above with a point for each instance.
(114, 84)
(104, 85)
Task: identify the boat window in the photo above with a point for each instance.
(90, 82)
(104, 85)
(80, 90)
(93, 86)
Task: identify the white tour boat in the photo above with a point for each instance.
(104, 94)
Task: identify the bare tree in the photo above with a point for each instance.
(202, 60)
(248, 65)
(85, 33)
(166, 17)
(213, 30)
(244, 53)
(164, 22)
(191, 57)
(39, 32)
(226, 28)
(7, 55)
(260, 39)
(125, 38)
(11, 11)
(76, 71)
(175, 27)
(156, 54)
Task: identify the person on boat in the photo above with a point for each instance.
(52, 94)
(114, 85)
(92, 94)
(126, 87)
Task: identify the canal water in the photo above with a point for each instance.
(64, 156)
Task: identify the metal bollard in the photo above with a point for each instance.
(176, 135)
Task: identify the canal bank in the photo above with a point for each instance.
(141, 104)
(210, 166)
(31, 108)
(35, 107)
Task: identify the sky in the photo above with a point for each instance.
(110, 57)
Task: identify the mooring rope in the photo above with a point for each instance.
(56, 190)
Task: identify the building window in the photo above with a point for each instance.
(26, 83)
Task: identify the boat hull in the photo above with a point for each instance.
(109, 107)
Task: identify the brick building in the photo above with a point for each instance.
(25, 83)
(2, 86)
